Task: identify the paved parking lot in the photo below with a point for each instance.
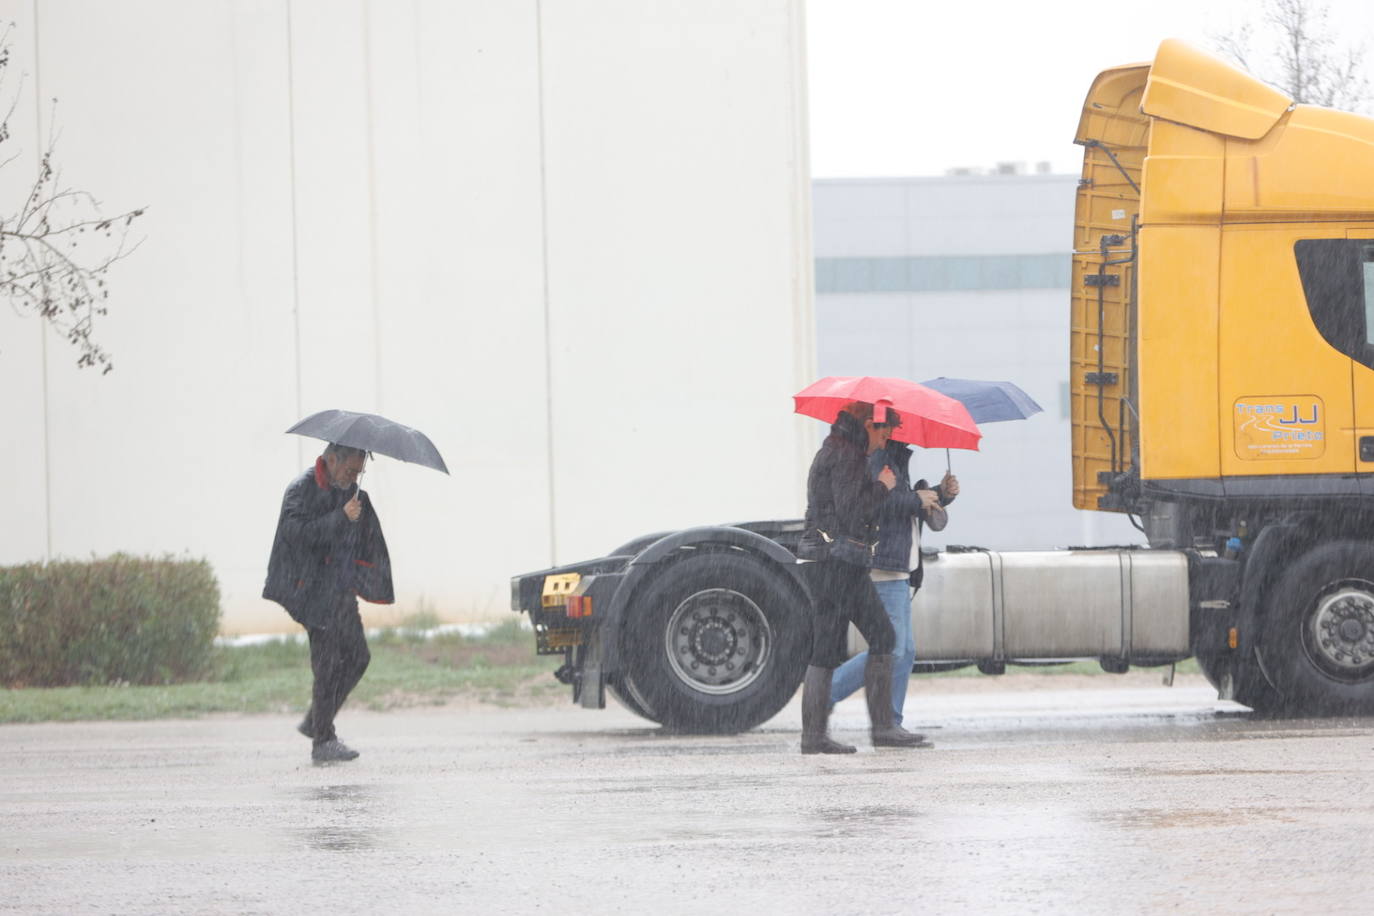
(1108, 799)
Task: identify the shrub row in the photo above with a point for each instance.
(122, 619)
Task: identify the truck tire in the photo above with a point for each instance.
(628, 696)
(1318, 646)
(717, 644)
(1249, 686)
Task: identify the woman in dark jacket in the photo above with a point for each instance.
(897, 567)
(836, 551)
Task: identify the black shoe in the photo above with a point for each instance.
(305, 727)
(332, 751)
(824, 745)
(896, 736)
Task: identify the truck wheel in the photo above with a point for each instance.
(718, 643)
(628, 696)
(1249, 686)
(1319, 630)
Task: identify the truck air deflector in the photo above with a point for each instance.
(1192, 87)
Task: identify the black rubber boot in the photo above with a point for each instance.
(878, 692)
(816, 712)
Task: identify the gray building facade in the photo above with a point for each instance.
(964, 276)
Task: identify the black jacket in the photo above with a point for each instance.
(894, 515)
(319, 557)
(842, 498)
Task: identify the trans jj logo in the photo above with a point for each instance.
(1283, 421)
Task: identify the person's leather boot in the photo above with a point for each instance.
(878, 692)
(816, 713)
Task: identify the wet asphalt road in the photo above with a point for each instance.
(1098, 800)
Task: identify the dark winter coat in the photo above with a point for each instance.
(842, 498)
(319, 557)
(894, 515)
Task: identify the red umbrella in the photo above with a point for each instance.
(929, 419)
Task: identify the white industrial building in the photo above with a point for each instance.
(965, 276)
(569, 241)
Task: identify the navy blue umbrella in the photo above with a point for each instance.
(987, 402)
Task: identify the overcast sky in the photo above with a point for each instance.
(908, 87)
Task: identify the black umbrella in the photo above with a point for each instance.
(372, 433)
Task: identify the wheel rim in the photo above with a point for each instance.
(1339, 633)
(718, 641)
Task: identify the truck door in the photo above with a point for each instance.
(1292, 324)
(1362, 370)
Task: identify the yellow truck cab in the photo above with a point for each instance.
(1222, 366)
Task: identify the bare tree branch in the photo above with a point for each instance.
(41, 270)
(1300, 56)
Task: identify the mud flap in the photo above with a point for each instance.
(589, 689)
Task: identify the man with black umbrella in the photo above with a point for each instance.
(327, 553)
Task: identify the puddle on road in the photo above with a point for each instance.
(1164, 818)
(355, 793)
(344, 817)
(862, 820)
(1148, 771)
(338, 839)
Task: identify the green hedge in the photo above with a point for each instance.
(122, 619)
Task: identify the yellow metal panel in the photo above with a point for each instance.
(1115, 136)
(1183, 176)
(1111, 112)
(1315, 165)
(1271, 354)
(1194, 88)
(1178, 351)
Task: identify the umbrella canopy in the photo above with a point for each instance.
(372, 433)
(929, 419)
(987, 402)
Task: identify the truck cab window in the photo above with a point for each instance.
(1369, 296)
(1338, 283)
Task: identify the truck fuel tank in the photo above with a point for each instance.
(1115, 603)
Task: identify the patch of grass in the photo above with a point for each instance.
(407, 670)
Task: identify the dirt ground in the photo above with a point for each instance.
(1043, 793)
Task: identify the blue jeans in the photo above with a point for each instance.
(895, 595)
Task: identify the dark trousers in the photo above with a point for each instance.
(841, 593)
(338, 658)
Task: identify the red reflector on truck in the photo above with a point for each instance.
(579, 606)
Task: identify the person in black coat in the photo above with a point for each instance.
(329, 551)
(836, 551)
(897, 569)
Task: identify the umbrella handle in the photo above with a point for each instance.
(947, 465)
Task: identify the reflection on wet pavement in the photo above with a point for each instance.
(342, 818)
(1084, 801)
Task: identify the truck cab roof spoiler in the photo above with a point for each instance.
(1190, 87)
